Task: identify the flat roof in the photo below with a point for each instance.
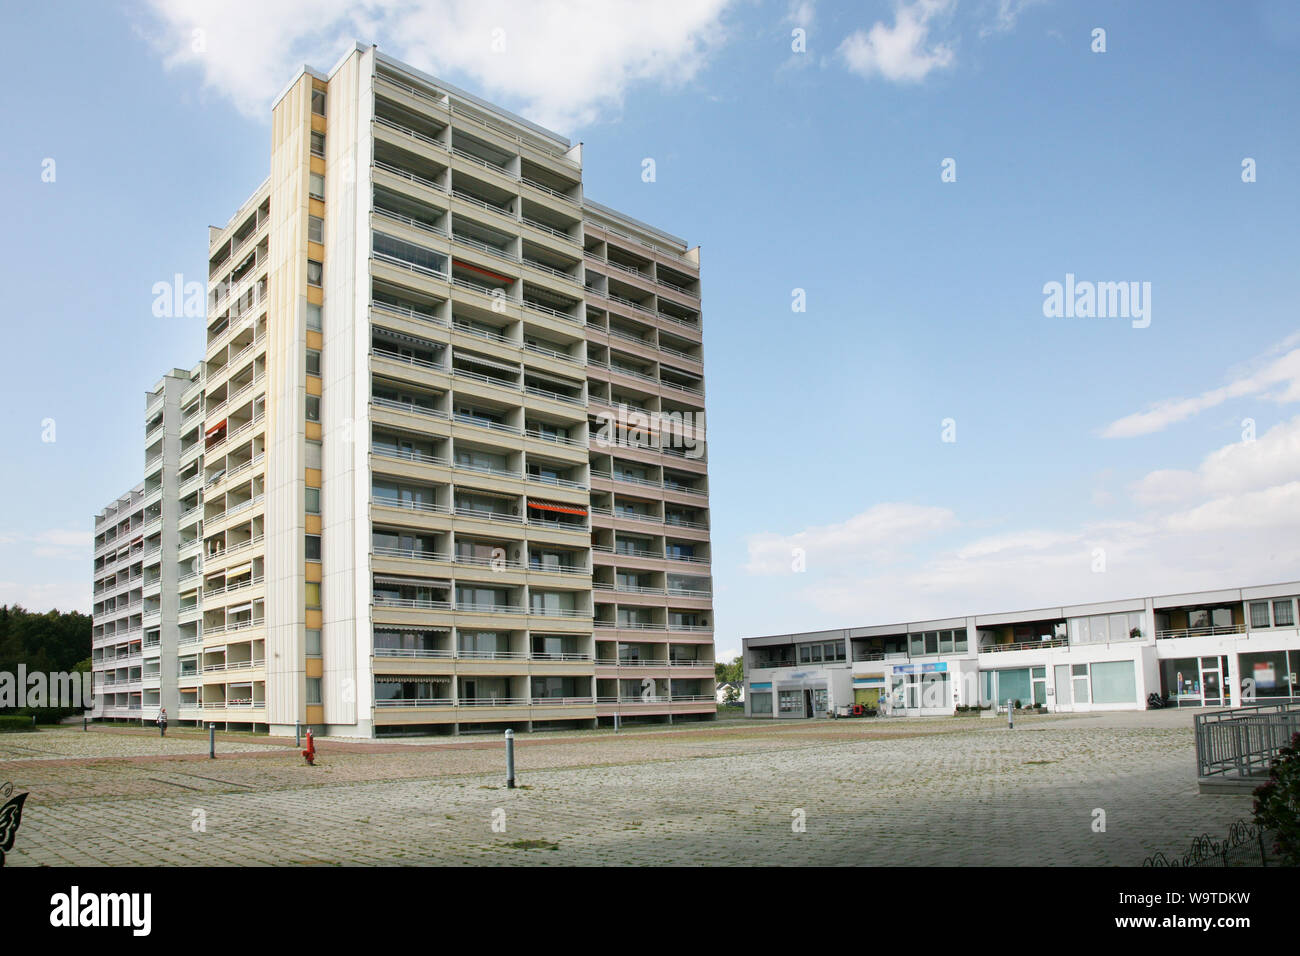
(1184, 599)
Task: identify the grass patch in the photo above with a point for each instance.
(533, 845)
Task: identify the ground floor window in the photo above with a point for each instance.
(760, 703)
(1195, 681)
(917, 691)
(1114, 682)
(1021, 685)
(1269, 674)
(790, 702)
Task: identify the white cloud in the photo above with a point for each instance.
(1277, 380)
(33, 566)
(57, 543)
(801, 13)
(46, 595)
(873, 536)
(1006, 15)
(562, 64)
(1273, 458)
(1233, 521)
(901, 53)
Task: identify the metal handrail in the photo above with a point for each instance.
(406, 174)
(1244, 740)
(1211, 631)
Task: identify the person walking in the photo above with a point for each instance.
(162, 722)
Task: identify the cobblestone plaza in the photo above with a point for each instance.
(955, 791)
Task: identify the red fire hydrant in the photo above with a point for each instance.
(310, 753)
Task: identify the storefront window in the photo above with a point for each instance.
(1113, 682)
(1013, 685)
(1268, 674)
(760, 703)
(1181, 679)
(790, 702)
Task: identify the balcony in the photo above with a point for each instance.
(1222, 630)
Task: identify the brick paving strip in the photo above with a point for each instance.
(929, 792)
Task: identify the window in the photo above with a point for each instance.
(313, 317)
(313, 642)
(1283, 613)
(313, 690)
(317, 144)
(313, 408)
(1259, 614)
(313, 594)
(313, 547)
(313, 454)
(1113, 682)
(314, 272)
(312, 498)
(318, 102)
(760, 703)
(313, 362)
(316, 186)
(418, 256)
(315, 229)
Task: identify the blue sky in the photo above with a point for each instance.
(1092, 459)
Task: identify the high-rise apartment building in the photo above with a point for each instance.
(136, 601)
(443, 465)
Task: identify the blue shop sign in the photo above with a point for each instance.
(935, 668)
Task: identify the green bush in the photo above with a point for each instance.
(1277, 803)
(10, 723)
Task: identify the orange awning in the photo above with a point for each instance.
(563, 509)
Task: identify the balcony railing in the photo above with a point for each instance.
(1211, 631)
(1018, 646)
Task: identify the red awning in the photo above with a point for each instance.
(563, 509)
(217, 427)
(487, 272)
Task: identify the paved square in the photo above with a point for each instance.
(948, 791)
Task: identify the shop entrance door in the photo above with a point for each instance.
(1211, 684)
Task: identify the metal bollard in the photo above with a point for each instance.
(84, 724)
(1010, 725)
(297, 733)
(616, 723)
(510, 759)
(212, 741)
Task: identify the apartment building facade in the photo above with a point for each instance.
(135, 593)
(429, 487)
(1220, 648)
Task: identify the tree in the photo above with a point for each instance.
(53, 642)
(732, 672)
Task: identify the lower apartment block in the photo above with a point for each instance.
(1223, 648)
(442, 466)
